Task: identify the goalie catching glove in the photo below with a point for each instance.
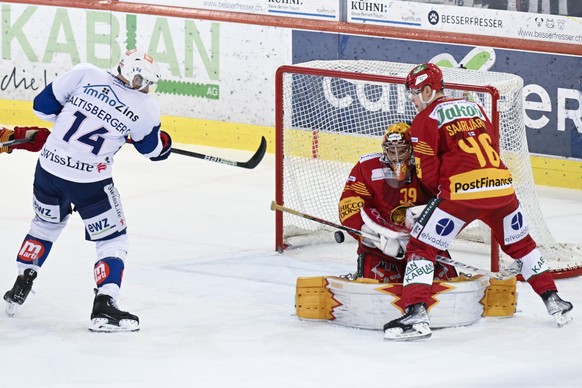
(37, 137)
(391, 238)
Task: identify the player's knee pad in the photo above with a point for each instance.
(33, 252)
(113, 247)
(45, 230)
(109, 271)
(104, 219)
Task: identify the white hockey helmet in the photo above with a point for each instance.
(140, 70)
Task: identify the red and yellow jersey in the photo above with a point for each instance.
(372, 184)
(457, 154)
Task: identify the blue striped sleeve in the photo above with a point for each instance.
(46, 103)
(149, 143)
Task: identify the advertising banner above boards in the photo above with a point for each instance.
(468, 20)
(210, 70)
(221, 74)
(555, 7)
(552, 90)
(309, 9)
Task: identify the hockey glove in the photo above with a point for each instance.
(166, 147)
(36, 135)
(390, 241)
(5, 135)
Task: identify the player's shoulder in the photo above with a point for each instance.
(149, 104)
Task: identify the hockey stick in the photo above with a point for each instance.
(275, 206)
(15, 142)
(442, 259)
(502, 275)
(251, 163)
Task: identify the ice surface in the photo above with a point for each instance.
(216, 302)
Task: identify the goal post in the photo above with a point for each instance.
(330, 113)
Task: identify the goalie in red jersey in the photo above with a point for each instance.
(378, 192)
(457, 160)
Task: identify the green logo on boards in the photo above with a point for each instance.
(480, 58)
(191, 51)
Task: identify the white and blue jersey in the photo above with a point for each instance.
(93, 113)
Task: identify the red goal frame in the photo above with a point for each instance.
(279, 131)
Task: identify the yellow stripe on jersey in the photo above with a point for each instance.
(484, 183)
(359, 188)
(422, 147)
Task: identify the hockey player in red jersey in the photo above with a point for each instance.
(33, 137)
(379, 190)
(457, 157)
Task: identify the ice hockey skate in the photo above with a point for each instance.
(558, 308)
(108, 318)
(411, 326)
(19, 292)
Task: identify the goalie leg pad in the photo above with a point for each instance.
(313, 300)
(500, 299)
(368, 304)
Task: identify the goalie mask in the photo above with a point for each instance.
(140, 70)
(397, 150)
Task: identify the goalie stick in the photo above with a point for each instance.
(447, 260)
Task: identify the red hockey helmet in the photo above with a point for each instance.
(425, 74)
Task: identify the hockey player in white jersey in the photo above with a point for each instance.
(94, 112)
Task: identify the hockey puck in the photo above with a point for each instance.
(339, 237)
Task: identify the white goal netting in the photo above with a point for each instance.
(329, 113)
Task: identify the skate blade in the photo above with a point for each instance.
(418, 331)
(10, 308)
(102, 325)
(562, 318)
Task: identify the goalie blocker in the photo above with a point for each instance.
(367, 304)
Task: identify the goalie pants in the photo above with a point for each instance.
(441, 222)
(373, 264)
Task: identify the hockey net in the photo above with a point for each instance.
(330, 113)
